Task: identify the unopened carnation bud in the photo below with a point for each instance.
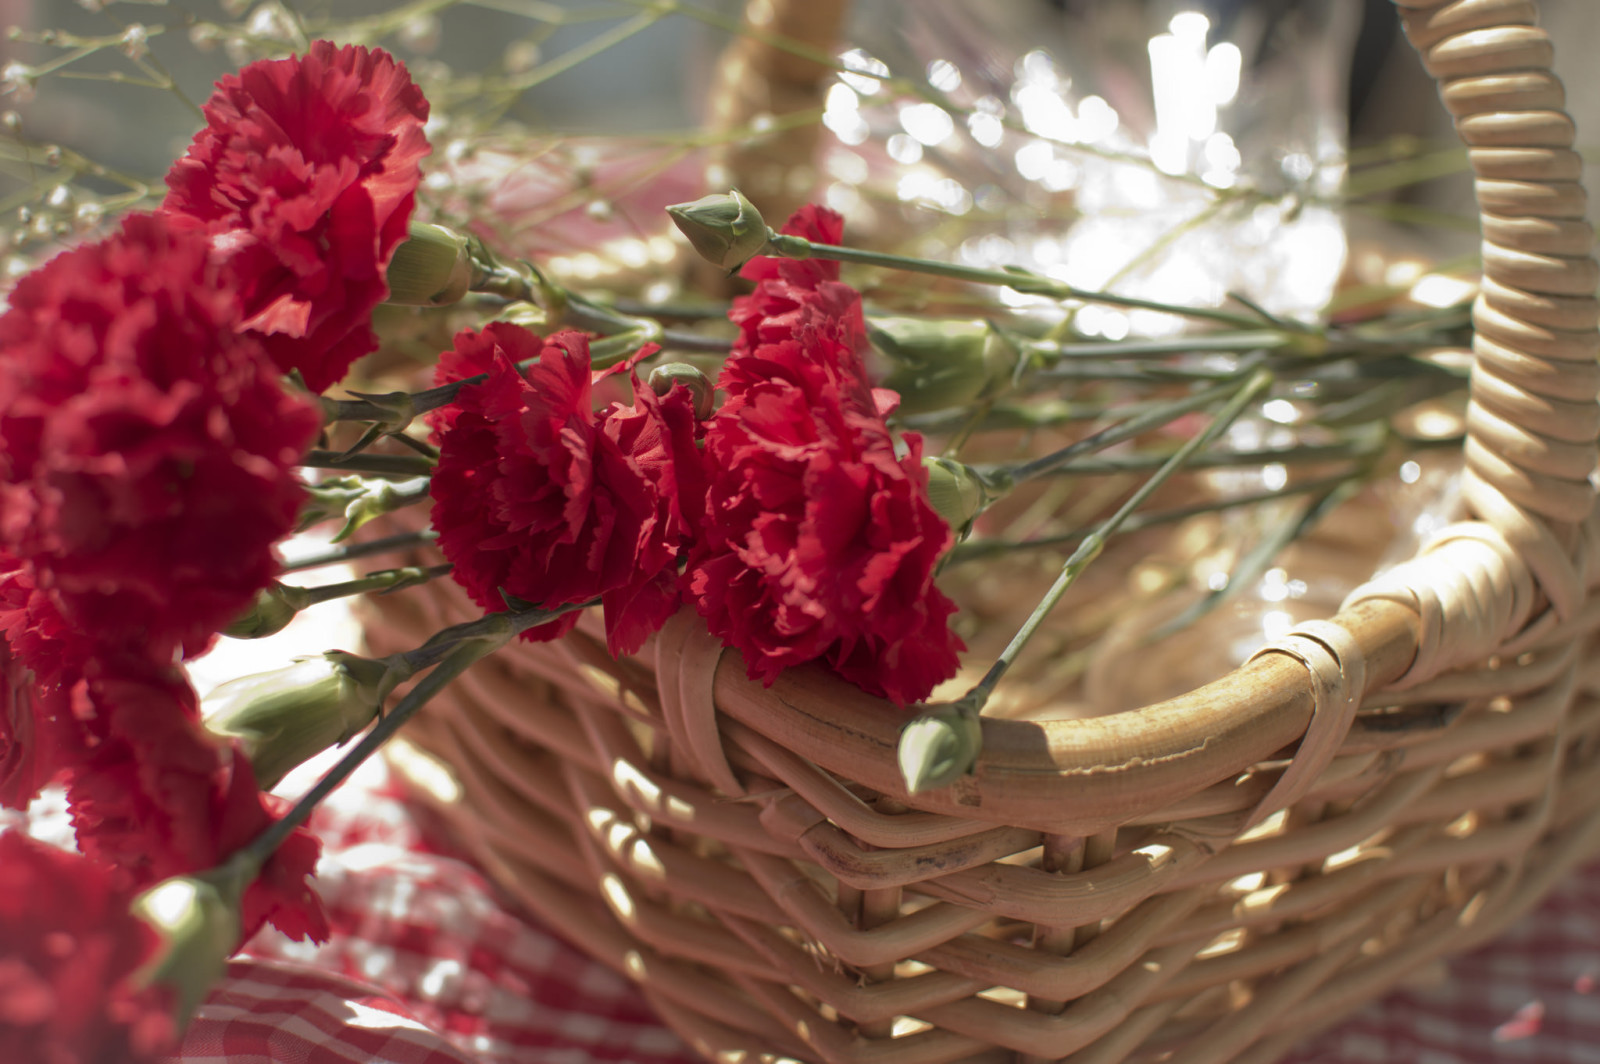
(431, 268)
(726, 230)
(199, 926)
(664, 378)
(942, 364)
(939, 748)
(274, 607)
(956, 492)
(284, 717)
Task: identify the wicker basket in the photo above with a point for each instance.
(1210, 878)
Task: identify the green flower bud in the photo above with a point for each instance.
(663, 378)
(939, 748)
(726, 230)
(197, 919)
(275, 606)
(433, 267)
(942, 364)
(284, 717)
(956, 492)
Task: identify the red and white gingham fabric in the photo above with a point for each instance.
(269, 1011)
(429, 965)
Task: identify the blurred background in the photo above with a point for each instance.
(1000, 132)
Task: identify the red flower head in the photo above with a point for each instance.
(40, 639)
(146, 448)
(819, 540)
(38, 737)
(305, 177)
(153, 795)
(538, 495)
(68, 947)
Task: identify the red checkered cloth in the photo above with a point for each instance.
(268, 1012)
(430, 965)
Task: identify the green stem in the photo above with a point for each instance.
(382, 581)
(584, 313)
(388, 465)
(975, 550)
(796, 247)
(1256, 560)
(1224, 342)
(1109, 436)
(943, 743)
(1302, 454)
(352, 551)
(1162, 373)
(453, 655)
(1042, 415)
(1095, 542)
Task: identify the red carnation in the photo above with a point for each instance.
(37, 737)
(154, 795)
(305, 177)
(538, 496)
(39, 638)
(146, 448)
(819, 541)
(69, 948)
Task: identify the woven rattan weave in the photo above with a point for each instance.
(1207, 879)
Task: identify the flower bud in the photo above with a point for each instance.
(275, 606)
(199, 926)
(956, 492)
(726, 230)
(942, 364)
(284, 717)
(938, 748)
(431, 268)
(664, 378)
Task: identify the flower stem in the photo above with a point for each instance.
(796, 247)
(1110, 435)
(977, 549)
(383, 581)
(1300, 454)
(1095, 542)
(1256, 560)
(1209, 343)
(352, 551)
(389, 465)
(453, 650)
(939, 746)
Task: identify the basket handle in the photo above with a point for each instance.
(1533, 419)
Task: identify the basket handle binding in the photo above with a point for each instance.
(1480, 587)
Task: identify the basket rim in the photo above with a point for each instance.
(1069, 776)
